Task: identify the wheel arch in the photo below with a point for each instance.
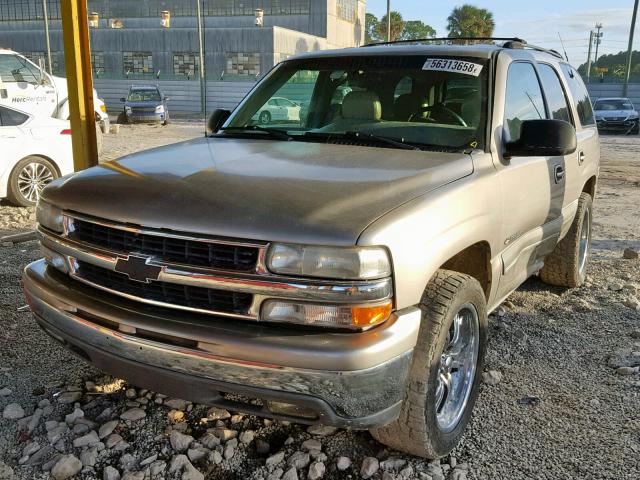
(44, 157)
(475, 260)
(590, 186)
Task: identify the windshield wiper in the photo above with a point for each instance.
(398, 143)
(274, 132)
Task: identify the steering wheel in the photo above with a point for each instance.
(442, 109)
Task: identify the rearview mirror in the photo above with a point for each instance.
(217, 118)
(543, 138)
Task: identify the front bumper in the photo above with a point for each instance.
(146, 116)
(351, 380)
(618, 126)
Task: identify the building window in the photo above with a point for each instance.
(347, 10)
(185, 63)
(243, 64)
(19, 10)
(137, 62)
(12, 10)
(97, 62)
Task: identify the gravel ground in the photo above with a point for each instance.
(561, 400)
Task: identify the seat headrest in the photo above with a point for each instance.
(362, 106)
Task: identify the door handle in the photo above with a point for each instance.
(558, 173)
(581, 157)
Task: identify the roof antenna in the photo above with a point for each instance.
(563, 49)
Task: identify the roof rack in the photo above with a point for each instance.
(523, 44)
(509, 42)
(448, 39)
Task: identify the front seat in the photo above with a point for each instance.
(407, 105)
(363, 106)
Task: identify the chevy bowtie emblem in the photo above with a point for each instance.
(137, 268)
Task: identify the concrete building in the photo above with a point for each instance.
(128, 40)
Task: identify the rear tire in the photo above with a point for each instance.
(28, 178)
(424, 427)
(122, 119)
(566, 266)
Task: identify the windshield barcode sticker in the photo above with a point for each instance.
(454, 66)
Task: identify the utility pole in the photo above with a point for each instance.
(625, 87)
(598, 41)
(77, 57)
(388, 20)
(203, 82)
(45, 14)
(589, 57)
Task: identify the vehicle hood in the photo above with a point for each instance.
(258, 189)
(615, 113)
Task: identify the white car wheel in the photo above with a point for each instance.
(28, 179)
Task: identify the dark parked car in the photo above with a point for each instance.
(616, 115)
(144, 103)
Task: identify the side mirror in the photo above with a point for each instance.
(217, 118)
(543, 138)
(123, 99)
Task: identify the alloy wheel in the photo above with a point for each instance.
(585, 240)
(32, 179)
(457, 369)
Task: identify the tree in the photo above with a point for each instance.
(470, 21)
(397, 27)
(415, 29)
(371, 28)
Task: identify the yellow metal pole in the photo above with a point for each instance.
(77, 60)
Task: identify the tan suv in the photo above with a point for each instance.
(335, 267)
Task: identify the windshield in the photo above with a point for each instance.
(417, 100)
(146, 95)
(614, 104)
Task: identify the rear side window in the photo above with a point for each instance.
(11, 118)
(523, 100)
(554, 92)
(579, 94)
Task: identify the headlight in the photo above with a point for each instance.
(339, 316)
(160, 109)
(633, 116)
(49, 217)
(348, 263)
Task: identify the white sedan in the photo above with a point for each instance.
(35, 151)
(278, 109)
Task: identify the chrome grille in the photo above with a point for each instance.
(166, 248)
(199, 298)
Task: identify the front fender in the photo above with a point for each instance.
(427, 231)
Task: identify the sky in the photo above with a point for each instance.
(536, 21)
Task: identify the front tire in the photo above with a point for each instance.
(265, 117)
(446, 369)
(635, 130)
(566, 266)
(28, 178)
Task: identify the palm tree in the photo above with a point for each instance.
(397, 26)
(470, 21)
